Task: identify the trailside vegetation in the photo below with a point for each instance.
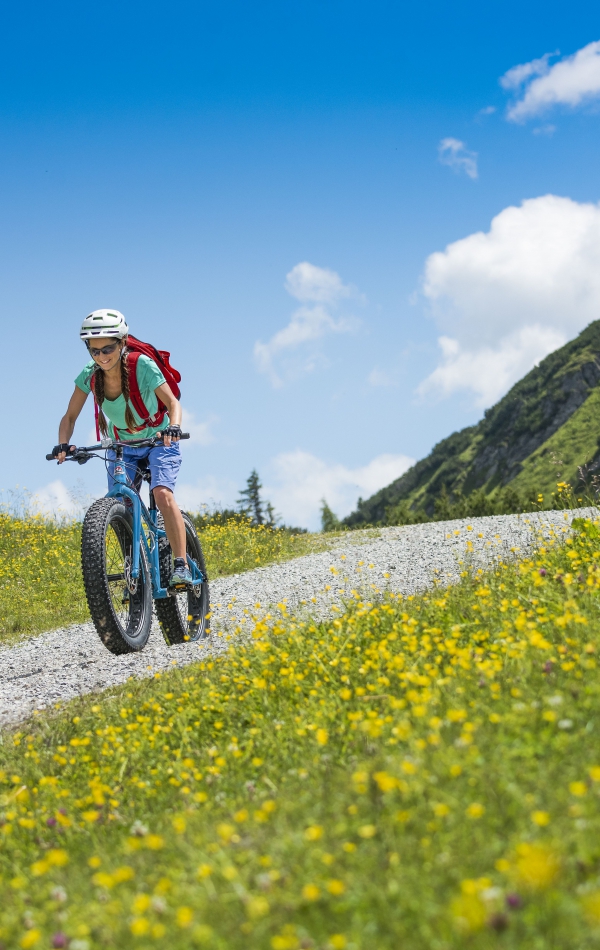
(477, 504)
(251, 503)
(329, 521)
(419, 772)
(40, 575)
(505, 501)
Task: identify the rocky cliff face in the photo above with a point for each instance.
(492, 453)
(499, 461)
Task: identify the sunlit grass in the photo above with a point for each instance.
(417, 773)
(239, 546)
(40, 575)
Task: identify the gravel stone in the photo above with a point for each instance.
(57, 666)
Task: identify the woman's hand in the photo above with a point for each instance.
(173, 431)
(61, 451)
(171, 434)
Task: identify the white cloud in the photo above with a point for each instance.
(311, 284)
(518, 75)
(488, 110)
(489, 372)
(57, 501)
(503, 299)
(300, 481)
(307, 325)
(572, 81)
(210, 491)
(320, 291)
(455, 154)
(200, 432)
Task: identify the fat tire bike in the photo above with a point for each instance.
(126, 563)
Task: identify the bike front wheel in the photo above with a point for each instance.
(121, 607)
(183, 615)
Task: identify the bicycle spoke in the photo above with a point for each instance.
(118, 558)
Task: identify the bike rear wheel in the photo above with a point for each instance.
(183, 615)
(121, 608)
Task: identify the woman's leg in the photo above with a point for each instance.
(164, 462)
(174, 525)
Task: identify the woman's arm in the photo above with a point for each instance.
(165, 394)
(67, 423)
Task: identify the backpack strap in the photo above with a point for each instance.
(135, 396)
(96, 410)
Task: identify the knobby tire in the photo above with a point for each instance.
(120, 610)
(183, 617)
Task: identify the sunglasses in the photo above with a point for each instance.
(105, 351)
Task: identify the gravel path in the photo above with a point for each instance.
(61, 664)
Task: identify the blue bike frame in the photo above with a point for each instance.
(141, 515)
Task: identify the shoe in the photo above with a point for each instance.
(181, 575)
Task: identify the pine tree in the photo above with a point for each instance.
(329, 520)
(272, 516)
(250, 502)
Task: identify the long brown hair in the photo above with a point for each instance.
(99, 392)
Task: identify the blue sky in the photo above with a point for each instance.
(296, 200)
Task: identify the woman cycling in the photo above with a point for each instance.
(105, 334)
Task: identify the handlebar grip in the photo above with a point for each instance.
(69, 455)
(184, 435)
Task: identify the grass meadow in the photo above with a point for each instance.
(419, 773)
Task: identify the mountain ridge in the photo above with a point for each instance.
(517, 441)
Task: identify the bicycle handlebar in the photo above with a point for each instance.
(83, 451)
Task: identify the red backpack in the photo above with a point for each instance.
(135, 349)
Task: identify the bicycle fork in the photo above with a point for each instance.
(120, 487)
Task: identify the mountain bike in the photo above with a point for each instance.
(126, 562)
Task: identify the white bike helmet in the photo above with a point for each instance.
(104, 323)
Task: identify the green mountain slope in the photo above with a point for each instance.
(545, 427)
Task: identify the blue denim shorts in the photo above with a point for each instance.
(163, 463)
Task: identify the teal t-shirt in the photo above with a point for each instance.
(149, 377)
